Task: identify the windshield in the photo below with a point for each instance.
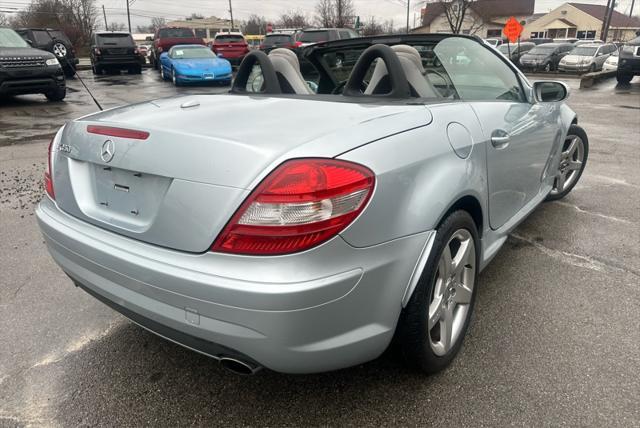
(176, 33)
(192, 53)
(11, 39)
(582, 51)
(114, 40)
(230, 38)
(542, 50)
(314, 36)
(280, 39)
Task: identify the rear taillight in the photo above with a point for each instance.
(301, 204)
(297, 44)
(111, 131)
(48, 175)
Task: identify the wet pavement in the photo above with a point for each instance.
(555, 338)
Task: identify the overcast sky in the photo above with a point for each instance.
(381, 9)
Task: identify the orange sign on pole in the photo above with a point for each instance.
(512, 29)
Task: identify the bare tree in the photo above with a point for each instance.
(457, 14)
(76, 18)
(325, 13)
(344, 12)
(116, 26)
(4, 21)
(372, 27)
(255, 25)
(293, 19)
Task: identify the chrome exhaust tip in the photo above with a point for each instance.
(239, 367)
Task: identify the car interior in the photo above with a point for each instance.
(444, 68)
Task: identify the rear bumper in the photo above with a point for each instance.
(118, 61)
(574, 67)
(31, 85)
(328, 308)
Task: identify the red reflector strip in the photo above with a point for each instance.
(111, 131)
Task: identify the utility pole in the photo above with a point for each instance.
(607, 21)
(633, 3)
(408, 12)
(128, 16)
(231, 13)
(104, 13)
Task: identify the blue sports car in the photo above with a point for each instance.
(194, 64)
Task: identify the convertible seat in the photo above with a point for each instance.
(412, 65)
(287, 68)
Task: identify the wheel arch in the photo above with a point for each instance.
(471, 204)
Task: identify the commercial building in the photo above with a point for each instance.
(582, 21)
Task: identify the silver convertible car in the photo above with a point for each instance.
(375, 179)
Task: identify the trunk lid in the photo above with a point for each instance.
(179, 187)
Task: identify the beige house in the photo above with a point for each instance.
(582, 21)
(205, 27)
(484, 18)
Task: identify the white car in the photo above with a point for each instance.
(611, 64)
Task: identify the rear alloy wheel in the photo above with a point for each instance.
(573, 159)
(435, 321)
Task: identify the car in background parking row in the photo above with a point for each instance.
(587, 58)
(114, 51)
(231, 46)
(26, 70)
(514, 51)
(167, 37)
(55, 42)
(629, 61)
(545, 57)
(318, 35)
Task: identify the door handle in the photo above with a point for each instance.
(500, 139)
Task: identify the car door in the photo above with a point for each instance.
(519, 134)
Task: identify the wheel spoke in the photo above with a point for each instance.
(575, 165)
(573, 146)
(436, 316)
(462, 257)
(463, 294)
(447, 264)
(446, 327)
(560, 182)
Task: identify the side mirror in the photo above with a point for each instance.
(550, 91)
(29, 41)
(164, 55)
(148, 39)
(220, 55)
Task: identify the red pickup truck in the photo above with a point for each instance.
(167, 37)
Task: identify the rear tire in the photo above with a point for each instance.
(575, 153)
(624, 78)
(433, 325)
(57, 95)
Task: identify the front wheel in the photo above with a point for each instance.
(436, 319)
(57, 94)
(174, 77)
(573, 159)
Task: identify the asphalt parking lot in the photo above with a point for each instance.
(555, 338)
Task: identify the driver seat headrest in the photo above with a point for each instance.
(411, 62)
(287, 68)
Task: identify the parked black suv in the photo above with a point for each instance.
(113, 50)
(54, 41)
(26, 70)
(629, 61)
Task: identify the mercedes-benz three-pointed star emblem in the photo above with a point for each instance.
(108, 151)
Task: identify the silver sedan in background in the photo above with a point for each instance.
(358, 206)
